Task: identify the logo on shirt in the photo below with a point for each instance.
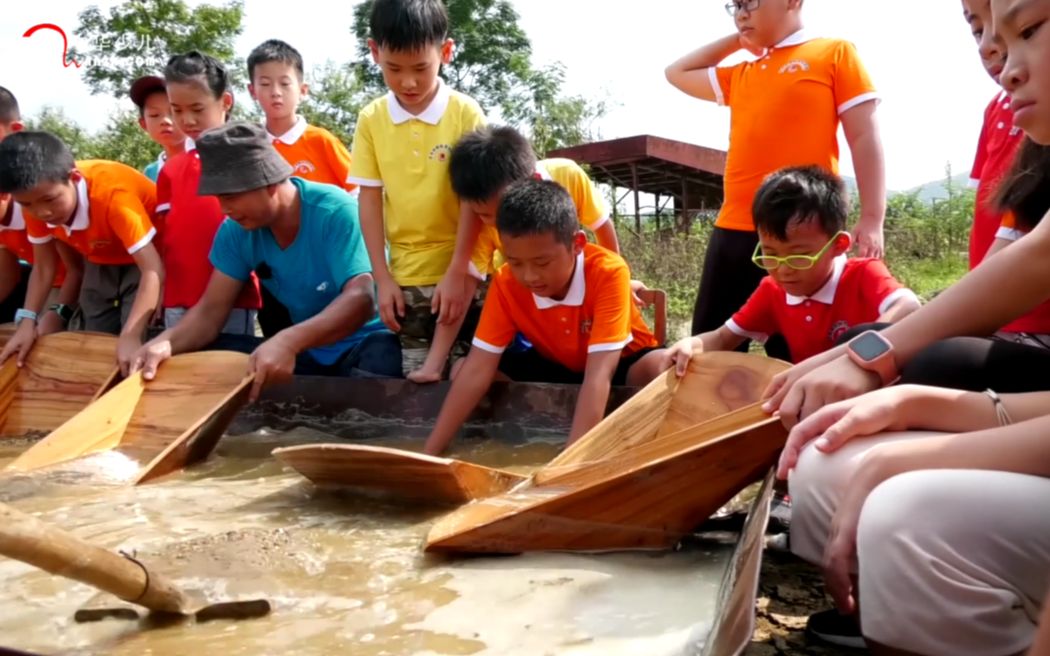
(99, 244)
(304, 167)
(585, 327)
(838, 329)
(323, 286)
(794, 66)
(441, 153)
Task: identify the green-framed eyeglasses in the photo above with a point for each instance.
(798, 262)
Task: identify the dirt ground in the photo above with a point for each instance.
(789, 591)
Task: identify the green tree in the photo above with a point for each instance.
(55, 121)
(493, 64)
(137, 37)
(336, 96)
(123, 140)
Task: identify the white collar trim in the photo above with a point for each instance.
(293, 134)
(18, 219)
(542, 173)
(81, 219)
(431, 115)
(795, 39)
(826, 294)
(577, 290)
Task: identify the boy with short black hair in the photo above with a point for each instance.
(571, 300)
(276, 81)
(150, 95)
(400, 161)
(813, 294)
(102, 210)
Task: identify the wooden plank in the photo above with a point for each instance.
(98, 427)
(396, 473)
(62, 375)
(185, 410)
(8, 385)
(716, 383)
(647, 507)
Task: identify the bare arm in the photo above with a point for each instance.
(147, 298)
(690, 73)
(953, 411)
(470, 384)
(606, 236)
(204, 321)
(594, 392)
(466, 239)
(370, 204)
(347, 312)
(865, 144)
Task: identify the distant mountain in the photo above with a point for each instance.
(928, 192)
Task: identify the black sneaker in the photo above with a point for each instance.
(834, 628)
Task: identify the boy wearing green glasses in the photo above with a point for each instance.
(813, 293)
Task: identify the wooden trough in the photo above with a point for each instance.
(159, 426)
(63, 374)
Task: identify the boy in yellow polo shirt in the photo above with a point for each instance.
(786, 107)
(400, 162)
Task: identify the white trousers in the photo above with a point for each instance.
(950, 561)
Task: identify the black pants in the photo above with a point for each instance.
(975, 364)
(729, 278)
(17, 298)
(378, 355)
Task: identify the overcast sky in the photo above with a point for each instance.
(617, 49)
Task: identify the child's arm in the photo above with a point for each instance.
(865, 145)
(41, 279)
(147, 298)
(594, 392)
(69, 293)
(690, 74)
(451, 296)
(390, 299)
(605, 235)
(470, 384)
(720, 339)
(900, 308)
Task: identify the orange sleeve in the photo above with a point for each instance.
(852, 85)
(611, 327)
(722, 81)
(496, 329)
(37, 230)
(130, 221)
(1009, 221)
(339, 159)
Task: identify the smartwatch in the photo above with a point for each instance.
(873, 352)
(64, 312)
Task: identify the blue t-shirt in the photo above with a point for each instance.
(152, 170)
(308, 275)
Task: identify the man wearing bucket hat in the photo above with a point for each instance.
(303, 241)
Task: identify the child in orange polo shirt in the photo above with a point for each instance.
(198, 90)
(102, 209)
(16, 253)
(571, 300)
(786, 106)
(275, 72)
(813, 294)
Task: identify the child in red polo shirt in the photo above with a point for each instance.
(813, 293)
(198, 90)
(571, 300)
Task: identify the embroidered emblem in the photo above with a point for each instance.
(794, 66)
(304, 166)
(323, 286)
(441, 153)
(99, 244)
(838, 329)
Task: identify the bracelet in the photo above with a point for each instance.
(25, 314)
(1000, 410)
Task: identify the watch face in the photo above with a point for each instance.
(869, 346)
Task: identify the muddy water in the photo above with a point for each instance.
(346, 574)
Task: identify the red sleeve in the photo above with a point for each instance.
(981, 157)
(878, 287)
(757, 319)
(496, 328)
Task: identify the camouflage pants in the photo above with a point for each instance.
(418, 325)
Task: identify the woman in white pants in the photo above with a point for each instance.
(942, 537)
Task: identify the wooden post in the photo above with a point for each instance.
(657, 213)
(637, 201)
(684, 209)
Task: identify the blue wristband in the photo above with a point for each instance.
(25, 314)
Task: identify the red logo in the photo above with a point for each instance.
(65, 42)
